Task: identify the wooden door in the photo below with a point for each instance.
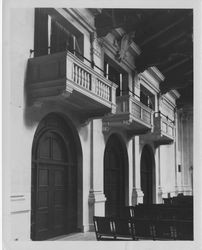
(54, 207)
(114, 188)
(146, 176)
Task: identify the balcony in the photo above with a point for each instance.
(164, 130)
(131, 115)
(63, 77)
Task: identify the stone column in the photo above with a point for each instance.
(159, 189)
(176, 153)
(96, 198)
(187, 149)
(137, 194)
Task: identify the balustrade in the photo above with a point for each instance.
(61, 73)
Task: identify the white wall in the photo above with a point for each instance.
(167, 169)
(185, 148)
(21, 41)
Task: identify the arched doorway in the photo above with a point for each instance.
(115, 172)
(54, 205)
(147, 174)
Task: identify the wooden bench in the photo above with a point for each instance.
(135, 226)
(184, 229)
(107, 228)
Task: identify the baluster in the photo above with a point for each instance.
(103, 88)
(79, 80)
(104, 91)
(76, 73)
(107, 93)
(84, 79)
(99, 90)
(106, 87)
(88, 81)
(96, 85)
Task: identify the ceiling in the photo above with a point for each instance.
(165, 37)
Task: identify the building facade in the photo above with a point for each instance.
(88, 134)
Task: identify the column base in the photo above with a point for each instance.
(160, 195)
(187, 190)
(137, 196)
(96, 201)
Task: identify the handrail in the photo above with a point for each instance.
(75, 51)
(159, 112)
(91, 62)
(134, 94)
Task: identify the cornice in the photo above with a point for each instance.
(107, 45)
(81, 19)
(134, 49)
(150, 81)
(174, 93)
(168, 101)
(156, 74)
(95, 11)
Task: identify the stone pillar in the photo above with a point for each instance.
(187, 149)
(159, 190)
(96, 199)
(137, 194)
(95, 52)
(137, 86)
(176, 153)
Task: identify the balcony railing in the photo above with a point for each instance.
(132, 115)
(164, 129)
(63, 74)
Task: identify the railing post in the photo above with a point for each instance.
(141, 113)
(70, 69)
(112, 98)
(93, 84)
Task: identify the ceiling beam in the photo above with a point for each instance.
(161, 32)
(172, 40)
(176, 65)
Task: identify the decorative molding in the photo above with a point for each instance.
(160, 194)
(149, 82)
(95, 50)
(133, 48)
(167, 101)
(81, 19)
(107, 46)
(95, 11)
(137, 196)
(96, 197)
(156, 74)
(174, 93)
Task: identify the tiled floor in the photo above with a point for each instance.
(90, 236)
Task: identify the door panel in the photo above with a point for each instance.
(52, 189)
(147, 176)
(114, 185)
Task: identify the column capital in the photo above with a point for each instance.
(137, 196)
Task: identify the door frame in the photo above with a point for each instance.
(152, 159)
(58, 123)
(124, 168)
